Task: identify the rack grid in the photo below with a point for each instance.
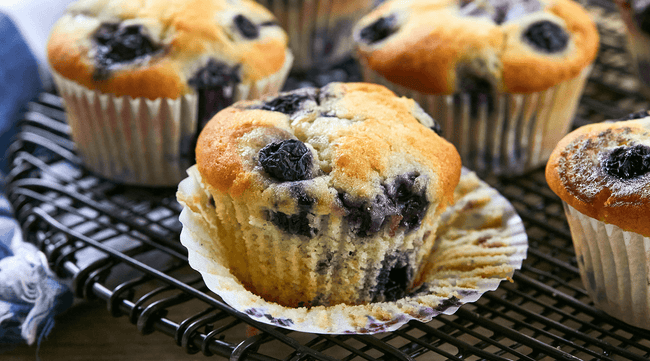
(120, 245)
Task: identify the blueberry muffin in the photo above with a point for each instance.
(480, 241)
(636, 16)
(322, 196)
(140, 78)
(503, 77)
(320, 32)
(602, 172)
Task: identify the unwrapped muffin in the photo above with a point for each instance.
(320, 31)
(602, 174)
(140, 78)
(322, 196)
(502, 77)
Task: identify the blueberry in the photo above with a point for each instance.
(286, 103)
(393, 279)
(287, 160)
(471, 83)
(105, 33)
(628, 162)
(379, 30)
(452, 301)
(411, 203)
(547, 36)
(305, 202)
(479, 89)
(364, 218)
(215, 87)
(215, 74)
(638, 115)
(296, 224)
(246, 27)
(399, 199)
(115, 44)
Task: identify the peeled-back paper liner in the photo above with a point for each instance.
(141, 141)
(481, 241)
(318, 37)
(614, 266)
(517, 135)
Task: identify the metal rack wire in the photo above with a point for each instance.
(121, 245)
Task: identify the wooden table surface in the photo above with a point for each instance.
(88, 332)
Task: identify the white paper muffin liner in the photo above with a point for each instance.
(141, 141)
(516, 136)
(479, 235)
(614, 266)
(318, 37)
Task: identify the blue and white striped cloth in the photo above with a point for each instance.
(30, 294)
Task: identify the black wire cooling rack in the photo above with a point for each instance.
(121, 245)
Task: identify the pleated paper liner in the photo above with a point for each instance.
(141, 141)
(481, 241)
(320, 31)
(614, 266)
(514, 134)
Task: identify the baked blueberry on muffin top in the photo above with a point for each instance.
(156, 49)
(503, 77)
(603, 171)
(343, 184)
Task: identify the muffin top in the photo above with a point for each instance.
(350, 149)
(450, 46)
(603, 171)
(165, 48)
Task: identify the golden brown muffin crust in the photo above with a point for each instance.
(189, 32)
(575, 173)
(217, 153)
(368, 134)
(434, 41)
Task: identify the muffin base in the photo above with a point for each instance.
(614, 266)
(481, 241)
(141, 141)
(516, 134)
(331, 267)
